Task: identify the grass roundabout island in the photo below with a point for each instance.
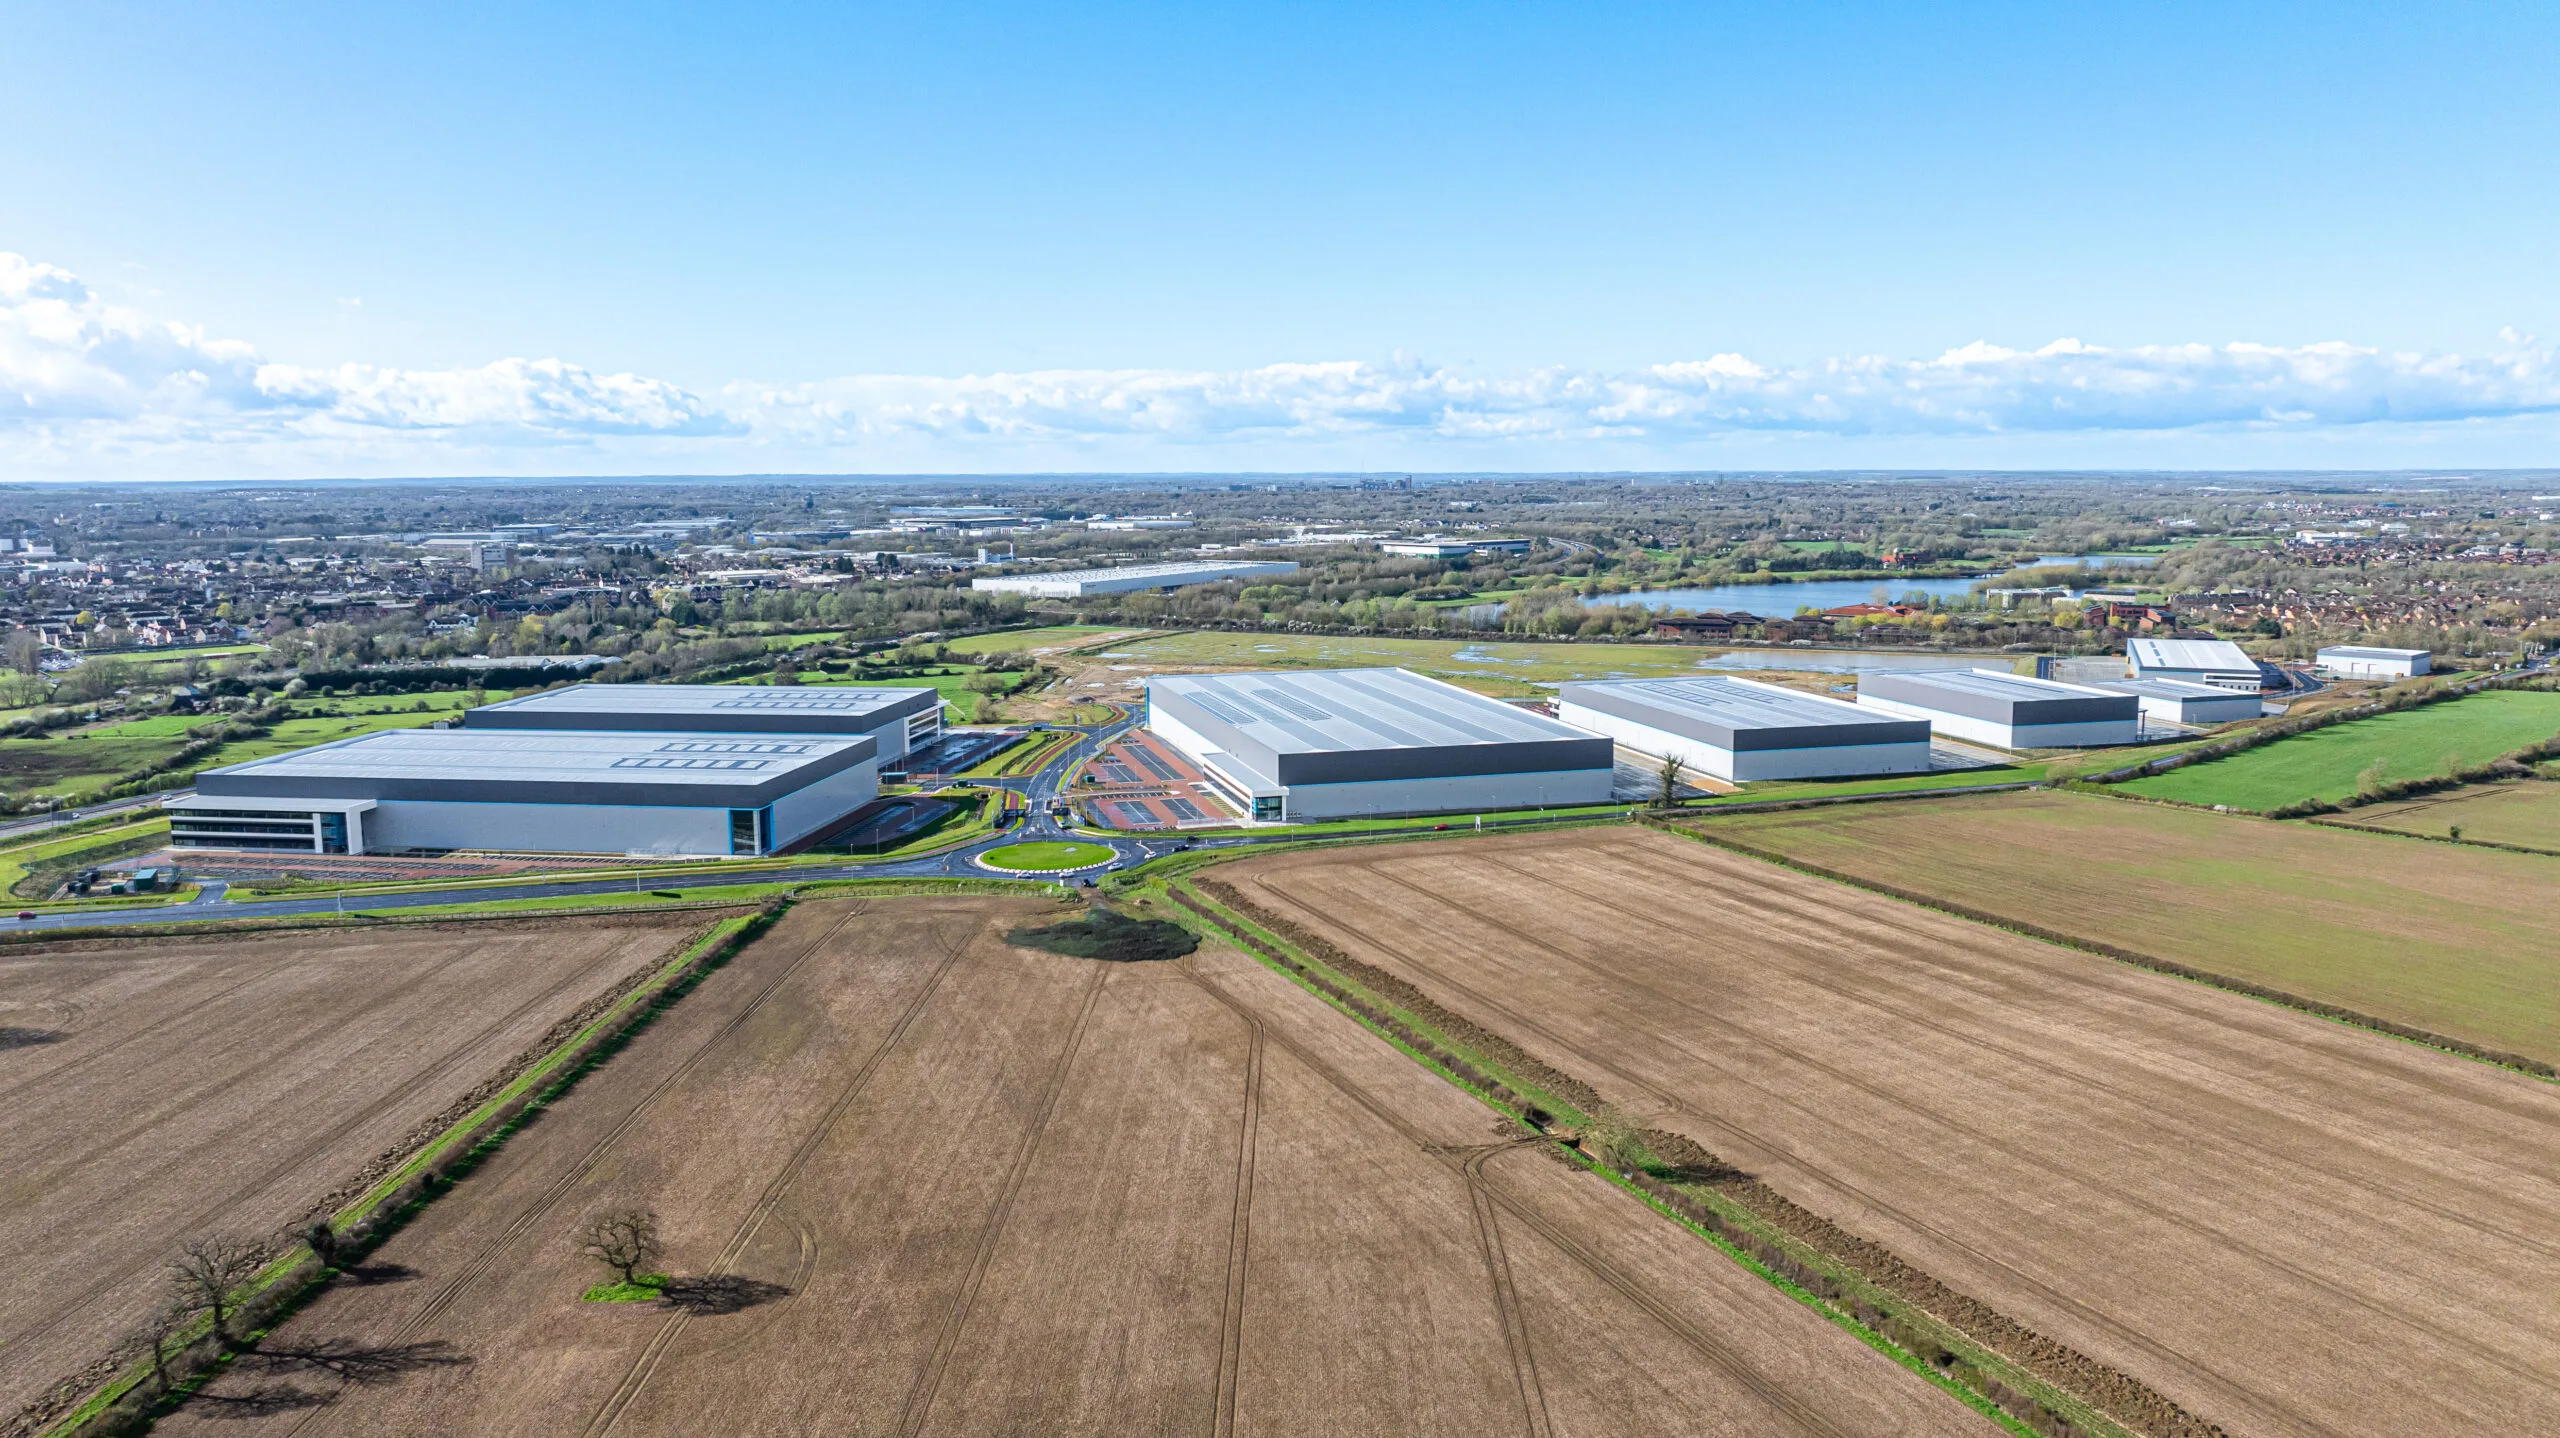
(1048, 856)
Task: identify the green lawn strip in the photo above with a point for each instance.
(1047, 856)
(645, 1288)
(1200, 911)
(998, 764)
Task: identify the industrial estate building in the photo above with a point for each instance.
(1440, 547)
(896, 720)
(534, 790)
(2179, 702)
(1994, 706)
(2358, 661)
(2217, 662)
(1075, 583)
(1740, 730)
(1347, 743)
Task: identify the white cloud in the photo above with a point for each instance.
(74, 366)
(86, 382)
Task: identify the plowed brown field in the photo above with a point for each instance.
(151, 1092)
(951, 1186)
(2287, 1225)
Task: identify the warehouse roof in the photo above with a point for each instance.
(2218, 656)
(2368, 651)
(548, 766)
(1348, 725)
(2168, 689)
(1999, 696)
(1136, 576)
(1743, 713)
(733, 708)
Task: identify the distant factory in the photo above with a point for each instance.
(1076, 583)
(1352, 743)
(1740, 730)
(2359, 661)
(2215, 662)
(2010, 711)
(674, 769)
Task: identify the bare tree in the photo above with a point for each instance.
(624, 1240)
(1670, 774)
(167, 1331)
(1613, 1138)
(209, 1271)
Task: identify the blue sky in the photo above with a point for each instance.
(558, 239)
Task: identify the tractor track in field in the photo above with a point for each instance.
(1704, 1344)
(2213, 1105)
(288, 1164)
(481, 1261)
(1519, 1024)
(646, 1364)
(1240, 1221)
(929, 1383)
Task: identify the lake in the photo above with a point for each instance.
(1781, 600)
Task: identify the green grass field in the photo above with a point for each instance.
(2325, 764)
(1493, 667)
(1050, 637)
(2525, 812)
(2452, 939)
(1047, 856)
(44, 850)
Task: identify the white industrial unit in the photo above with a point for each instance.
(532, 790)
(2217, 662)
(1074, 583)
(2358, 661)
(2011, 711)
(896, 720)
(2176, 701)
(1739, 730)
(1348, 743)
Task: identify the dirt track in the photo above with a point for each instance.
(2288, 1225)
(155, 1091)
(962, 1188)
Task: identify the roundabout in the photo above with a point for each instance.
(1046, 856)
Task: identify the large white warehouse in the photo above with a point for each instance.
(2360, 661)
(1994, 706)
(1350, 743)
(1739, 730)
(2217, 662)
(1074, 583)
(896, 720)
(2178, 702)
(541, 791)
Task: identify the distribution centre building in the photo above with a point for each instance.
(1075, 583)
(2011, 711)
(534, 790)
(2178, 702)
(896, 720)
(1739, 730)
(1349, 743)
(2217, 662)
(2360, 661)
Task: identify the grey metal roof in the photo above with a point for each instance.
(734, 708)
(548, 766)
(1999, 697)
(2168, 689)
(2218, 656)
(1743, 714)
(2367, 651)
(1348, 725)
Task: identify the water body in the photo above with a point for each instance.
(1781, 600)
